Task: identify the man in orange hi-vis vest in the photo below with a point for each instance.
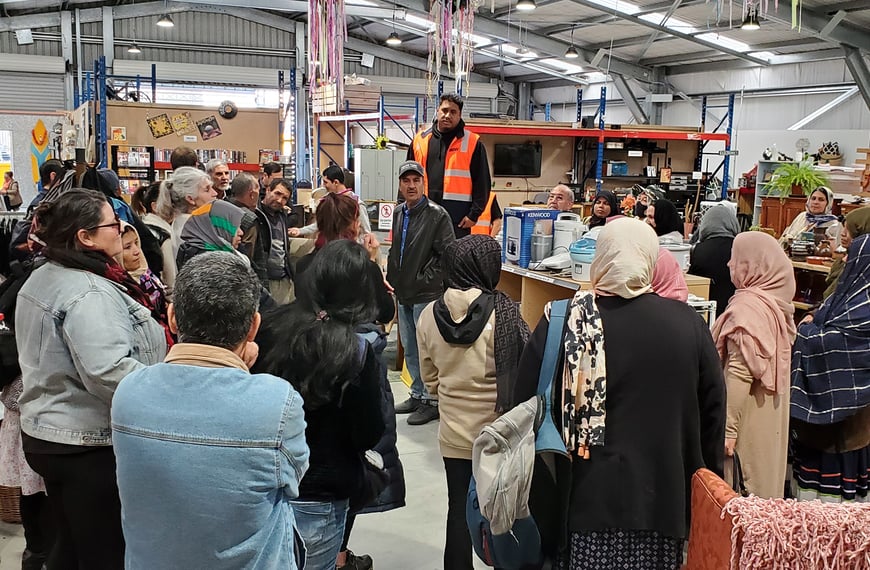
(455, 164)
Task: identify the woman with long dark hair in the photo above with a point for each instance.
(82, 324)
(312, 343)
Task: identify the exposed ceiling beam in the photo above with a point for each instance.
(858, 68)
(848, 6)
(298, 6)
(511, 9)
(630, 100)
(802, 57)
(813, 22)
(539, 43)
(405, 58)
(607, 18)
(823, 109)
(653, 36)
(666, 30)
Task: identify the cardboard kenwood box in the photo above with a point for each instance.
(519, 225)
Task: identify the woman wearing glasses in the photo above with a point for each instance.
(81, 324)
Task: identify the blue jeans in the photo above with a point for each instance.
(322, 528)
(408, 317)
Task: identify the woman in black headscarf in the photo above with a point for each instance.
(470, 341)
(710, 257)
(604, 206)
(662, 215)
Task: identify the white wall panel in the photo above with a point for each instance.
(31, 91)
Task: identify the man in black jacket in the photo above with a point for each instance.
(244, 192)
(422, 230)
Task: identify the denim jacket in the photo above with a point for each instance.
(78, 334)
(208, 458)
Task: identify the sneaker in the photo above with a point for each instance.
(408, 406)
(423, 415)
(354, 562)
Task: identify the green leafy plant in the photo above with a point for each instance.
(795, 176)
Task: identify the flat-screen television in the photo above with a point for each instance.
(517, 160)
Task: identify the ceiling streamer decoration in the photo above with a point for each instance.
(327, 32)
(451, 42)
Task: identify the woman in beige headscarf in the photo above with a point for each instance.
(647, 387)
(754, 337)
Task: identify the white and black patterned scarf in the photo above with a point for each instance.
(585, 376)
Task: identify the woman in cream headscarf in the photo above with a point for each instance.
(754, 337)
(647, 387)
(817, 215)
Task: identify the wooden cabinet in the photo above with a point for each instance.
(778, 213)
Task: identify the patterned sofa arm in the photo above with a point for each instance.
(710, 535)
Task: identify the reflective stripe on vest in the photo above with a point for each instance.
(457, 164)
(484, 222)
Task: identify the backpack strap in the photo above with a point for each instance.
(548, 437)
(558, 312)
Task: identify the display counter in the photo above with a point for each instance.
(809, 284)
(534, 289)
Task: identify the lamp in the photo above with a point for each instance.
(134, 49)
(165, 21)
(571, 53)
(526, 5)
(393, 39)
(750, 22)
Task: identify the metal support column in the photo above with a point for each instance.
(858, 68)
(71, 95)
(727, 161)
(699, 158)
(602, 105)
(100, 112)
(108, 36)
(282, 110)
(579, 105)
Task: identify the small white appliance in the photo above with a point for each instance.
(681, 253)
(567, 229)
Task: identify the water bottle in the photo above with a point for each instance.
(3, 326)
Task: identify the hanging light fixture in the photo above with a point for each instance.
(134, 49)
(526, 5)
(572, 53)
(750, 22)
(393, 39)
(165, 21)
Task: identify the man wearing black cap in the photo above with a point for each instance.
(422, 230)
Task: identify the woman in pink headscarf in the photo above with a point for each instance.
(754, 337)
(668, 280)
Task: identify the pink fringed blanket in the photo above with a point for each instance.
(780, 534)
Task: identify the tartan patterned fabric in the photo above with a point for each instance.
(831, 358)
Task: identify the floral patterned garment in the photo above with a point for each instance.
(14, 470)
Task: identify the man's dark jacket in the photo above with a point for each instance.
(420, 277)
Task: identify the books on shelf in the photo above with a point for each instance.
(204, 155)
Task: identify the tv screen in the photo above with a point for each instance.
(518, 160)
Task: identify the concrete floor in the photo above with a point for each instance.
(404, 539)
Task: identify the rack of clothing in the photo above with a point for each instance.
(8, 220)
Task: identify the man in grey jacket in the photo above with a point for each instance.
(422, 230)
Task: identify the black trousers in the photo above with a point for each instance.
(457, 549)
(36, 519)
(83, 498)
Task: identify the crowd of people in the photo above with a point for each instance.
(193, 392)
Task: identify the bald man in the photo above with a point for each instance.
(561, 198)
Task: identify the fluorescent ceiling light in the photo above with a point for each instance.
(619, 6)
(562, 65)
(672, 23)
(359, 3)
(763, 55)
(596, 77)
(420, 22)
(519, 51)
(725, 42)
(526, 5)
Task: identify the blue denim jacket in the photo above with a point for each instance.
(208, 457)
(78, 335)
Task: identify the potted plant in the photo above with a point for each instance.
(795, 179)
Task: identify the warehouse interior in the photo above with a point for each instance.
(695, 101)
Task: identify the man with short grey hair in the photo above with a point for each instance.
(561, 198)
(220, 176)
(244, 193)
(200, 428)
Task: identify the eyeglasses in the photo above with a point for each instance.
(116, 224)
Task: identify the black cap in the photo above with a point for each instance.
(410, 166)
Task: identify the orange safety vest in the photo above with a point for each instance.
(457, 164)
(484, 222)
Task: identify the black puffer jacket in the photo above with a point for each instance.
(419, 277)
(393, 495)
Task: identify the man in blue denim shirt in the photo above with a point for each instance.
(209, 455)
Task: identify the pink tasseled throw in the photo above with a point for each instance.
(790, 535)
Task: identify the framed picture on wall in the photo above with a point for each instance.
(208, 128)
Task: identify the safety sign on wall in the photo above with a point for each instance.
(385, 215)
